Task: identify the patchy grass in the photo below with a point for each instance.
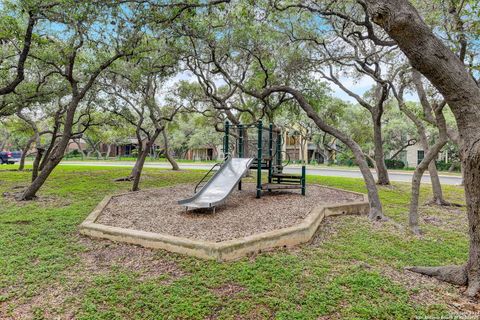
(352, 269)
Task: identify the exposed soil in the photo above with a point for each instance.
(228, 290)
(44, 200)
(241, 215)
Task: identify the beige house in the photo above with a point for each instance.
(203, 153)
(298, 149)
(413, 155)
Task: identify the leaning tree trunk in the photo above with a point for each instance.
(141, 160)
(436, 185)
(138, 169)
(472, 193)
(416, 181)
(109, 150)
(36, 162)
(24, 153)
(79, 146)
(379, 156)
(448, 74)
(46, 154)
(432, 169)
(136, 166)
(169, 157)
(56, 154)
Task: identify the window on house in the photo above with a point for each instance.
(420, 156)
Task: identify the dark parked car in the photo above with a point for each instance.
(10, 157)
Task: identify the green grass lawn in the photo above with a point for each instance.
(352, 269)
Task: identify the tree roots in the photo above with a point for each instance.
(123, 179)
(443, 203)
(416, 230)
(456, 275)
(376, 215)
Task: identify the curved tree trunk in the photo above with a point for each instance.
(39, 180)
(46, 154)
(429, 160)
(136, 166)
(36, 163)
(416, 181)
(141, 160)
(447, 73)
(432, 170)
(24, 153)
(167, 152)
(109, 150)
(379, 156)
(56, 154)
(137, 172)
(79, 146)
(436, 185)
(172, 161)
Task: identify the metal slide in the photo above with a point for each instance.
(220, 185)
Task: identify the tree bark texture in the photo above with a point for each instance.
(379, 156)
(36, 163)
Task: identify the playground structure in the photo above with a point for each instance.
(261, 153)
(284, 220)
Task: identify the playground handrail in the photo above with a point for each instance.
(206, 175)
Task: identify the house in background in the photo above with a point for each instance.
(126, 149)
(413, 155)
(297, 149)
(203, 153)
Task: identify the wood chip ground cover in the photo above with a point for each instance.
(241, 215)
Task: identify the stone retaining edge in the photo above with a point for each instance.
(225, 250)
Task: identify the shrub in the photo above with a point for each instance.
(445, 166)
(394, 164)
(73, 154)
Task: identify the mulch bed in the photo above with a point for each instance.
(241, 215)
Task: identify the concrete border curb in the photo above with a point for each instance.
(225, 250)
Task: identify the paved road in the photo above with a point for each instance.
(350, 173)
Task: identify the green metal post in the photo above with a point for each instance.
(270, 152)
(279, 149)
(240, 149)
(279, 153)
(259, 159)
(240, 141)
(303, 180)
(227, 135)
